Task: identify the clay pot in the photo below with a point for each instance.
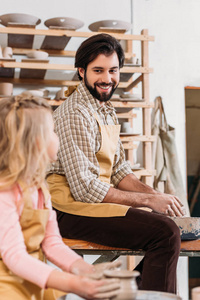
(65, 22)
(61, 93)
(6, 88)
(128, 287)
(7, 52)
(36, 54)
(19, 19)
(112, 24)
(35, 93)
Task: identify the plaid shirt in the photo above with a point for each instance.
(80, 139)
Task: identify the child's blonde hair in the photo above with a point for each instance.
(23, 140)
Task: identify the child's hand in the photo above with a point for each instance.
(97, 289)
(80, 267)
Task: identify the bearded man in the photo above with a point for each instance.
(94, 191)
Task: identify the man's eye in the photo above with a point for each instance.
(113, 71)
(97, 71)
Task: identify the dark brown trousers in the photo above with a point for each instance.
(158, 235)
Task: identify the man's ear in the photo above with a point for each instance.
(81, 72)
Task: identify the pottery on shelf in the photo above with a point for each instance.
(6, 88)
(128, 287)
(112, 24)
(16, 18)
(61, 93)
(7, 52)
(64, 22)
(37, 54)
(35, 93)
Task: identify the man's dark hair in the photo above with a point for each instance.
(95, 45)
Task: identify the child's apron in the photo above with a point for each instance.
(33, 223)
(61, 196)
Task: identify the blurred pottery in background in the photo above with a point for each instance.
(15, 18)
(7, 52)
(61, 93)
(36, 93)
(6, 88)
(112, 24)
(37, 54)
(64, 22)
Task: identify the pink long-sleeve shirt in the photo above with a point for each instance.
(13, 250)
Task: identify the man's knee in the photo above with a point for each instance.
(173, 233)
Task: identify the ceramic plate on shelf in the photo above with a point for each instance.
(19, 19)
(65, 22)
(112, 24)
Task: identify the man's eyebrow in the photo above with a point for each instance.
(100, 68)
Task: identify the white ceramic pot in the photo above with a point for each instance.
(19, 19)
(65, 22)
(37, 54)
(112, 24)
(126, 127)
(35, 93)
(6, 88)
(7, 52)
(61, 93)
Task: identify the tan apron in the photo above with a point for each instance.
(61, 196)
(33, 223)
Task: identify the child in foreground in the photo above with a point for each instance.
(27, 222)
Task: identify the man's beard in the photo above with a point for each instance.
(103, 97)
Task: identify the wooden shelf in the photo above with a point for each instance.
(71, 33)
(127, 83)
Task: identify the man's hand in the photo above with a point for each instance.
(167, 204)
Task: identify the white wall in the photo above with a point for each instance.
(174, 56)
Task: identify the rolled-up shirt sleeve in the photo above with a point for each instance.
(78, 159)
(121, 167)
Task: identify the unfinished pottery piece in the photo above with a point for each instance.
(189, 227)
(64, 22)
(6, 88)
(16, 18)
(60, 95)
(37, 54)
(7, 52)
(36, 93)
(112, 24)
(128, 287)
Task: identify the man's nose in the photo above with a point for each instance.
(106, 77)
